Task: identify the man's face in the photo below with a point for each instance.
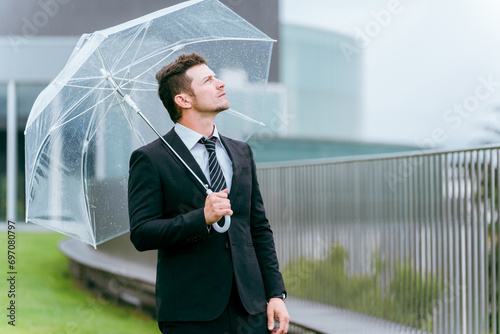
(209, 94)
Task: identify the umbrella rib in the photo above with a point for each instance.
(140, 89)
(243, 116)
(147, 70)
(126, 113)
(91, 220)
(136, 52)
(80, 100)
(88, 87)
(83, 112)
(100, 122)
(144, 28)
(103, 60)
(112, 89)
(84, 79)
(137, 81)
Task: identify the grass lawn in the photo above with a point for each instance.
(47, 299)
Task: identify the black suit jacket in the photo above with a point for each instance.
(195, 268)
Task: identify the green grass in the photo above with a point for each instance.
(48, 301)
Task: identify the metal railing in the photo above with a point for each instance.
(409, 239)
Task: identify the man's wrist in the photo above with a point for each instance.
(282, 297)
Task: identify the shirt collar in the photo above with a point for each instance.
(191, 137)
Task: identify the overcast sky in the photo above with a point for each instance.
(431, 68)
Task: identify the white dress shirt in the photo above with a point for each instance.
(191, 138)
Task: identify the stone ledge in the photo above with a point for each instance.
(118, 279)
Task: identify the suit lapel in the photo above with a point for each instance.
(176, 142)
(237, 160)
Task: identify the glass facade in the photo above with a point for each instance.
(324, 88)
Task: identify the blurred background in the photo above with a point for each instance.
(347, 78)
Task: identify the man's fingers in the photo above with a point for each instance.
(276, 309)
(283, 324)
(270, 318)
(222, 194)
(217, 205)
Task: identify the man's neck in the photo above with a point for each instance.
(204, 126)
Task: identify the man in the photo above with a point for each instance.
(207, 282)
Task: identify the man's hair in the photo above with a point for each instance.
(172, 80)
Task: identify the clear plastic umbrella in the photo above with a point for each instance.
(83, 126)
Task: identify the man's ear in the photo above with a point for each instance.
(183, 100)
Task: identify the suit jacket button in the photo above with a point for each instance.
(227, 245)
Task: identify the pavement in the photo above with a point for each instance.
(331, 320)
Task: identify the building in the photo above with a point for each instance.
(316, 109)
(324, 89)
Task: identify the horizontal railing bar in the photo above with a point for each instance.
(370, 157)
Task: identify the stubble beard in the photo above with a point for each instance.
(222, 108)
(216, 110)
(219, 109)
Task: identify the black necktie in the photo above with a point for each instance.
(217, 180)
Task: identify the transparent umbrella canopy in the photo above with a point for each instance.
(82, 129)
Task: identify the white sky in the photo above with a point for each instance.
(423, 61)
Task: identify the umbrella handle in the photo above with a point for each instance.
(227, 219)
(227, 223)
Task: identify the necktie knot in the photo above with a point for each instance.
(209, 143)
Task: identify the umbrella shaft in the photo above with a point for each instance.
(208, 191)
(129, 101)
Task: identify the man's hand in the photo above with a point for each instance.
(276, 309)
(217, 205)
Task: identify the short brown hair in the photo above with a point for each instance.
(172, 80)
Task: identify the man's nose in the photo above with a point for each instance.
(220, 84)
